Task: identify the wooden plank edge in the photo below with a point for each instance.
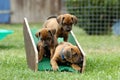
(33, 43)
(84, 56)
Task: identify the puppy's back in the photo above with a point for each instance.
(51, 17)
(51, 22)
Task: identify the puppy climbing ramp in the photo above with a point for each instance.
(32, 54)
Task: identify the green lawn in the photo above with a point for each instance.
(102, 57)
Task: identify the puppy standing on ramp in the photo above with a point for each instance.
(47, 43)
(66, 52)
(62, 24)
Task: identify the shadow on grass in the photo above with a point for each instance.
(10, 47)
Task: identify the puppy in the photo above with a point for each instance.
(47, 43)
(66, 52)
(62, 24)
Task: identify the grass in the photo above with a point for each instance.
(102, 57)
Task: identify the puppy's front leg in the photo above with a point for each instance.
(40, 54)
(54, 64)
(76, 67)
(66, 38)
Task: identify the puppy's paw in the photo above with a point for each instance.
(76, 67)
(55, 68)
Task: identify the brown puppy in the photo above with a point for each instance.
(66, 52)
(62, 24)
(47, 43)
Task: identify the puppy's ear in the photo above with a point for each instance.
(60, 19)
(75, 20)
(68, 54)
(37, 34)
(52, 32)
(45, 26)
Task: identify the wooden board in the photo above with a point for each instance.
(30, 47)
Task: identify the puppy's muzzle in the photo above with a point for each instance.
(46, 45)
(79, 61)
(68, 30)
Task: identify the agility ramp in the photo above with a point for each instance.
(32, 54)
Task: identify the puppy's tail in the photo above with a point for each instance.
(51, 17)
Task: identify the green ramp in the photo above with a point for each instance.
(44, 65)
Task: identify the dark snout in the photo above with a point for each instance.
(68, 28)
(45, 44)
(79, 61)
